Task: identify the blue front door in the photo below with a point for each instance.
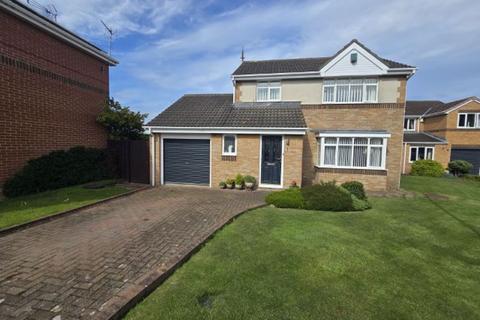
(271, 160)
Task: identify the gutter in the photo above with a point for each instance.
(225, 130)
(23, 12)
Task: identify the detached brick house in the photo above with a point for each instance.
(292, 120)
(53, 84)
(442, 132)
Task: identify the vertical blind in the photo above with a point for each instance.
(352, 152)
(350, 90)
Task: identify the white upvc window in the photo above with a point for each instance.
(421, 153)
(269, 91)
(410, 124)
(350, 90)
(353, 152)
(229, 145)
(468, 120)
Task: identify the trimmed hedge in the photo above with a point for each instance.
(60, 169)
(326, 196)
(290, 198)
(427, 168)
(356, 188)
(459, 167)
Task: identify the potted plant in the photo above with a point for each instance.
(230, 183)
(250, 182)
(293, 184)
(222, 185)
(239, 182)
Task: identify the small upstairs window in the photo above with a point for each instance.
(409, 124)
(268, 91)
(469, 120)
(350, 90)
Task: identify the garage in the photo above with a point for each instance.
(470, 155)
(186, 161)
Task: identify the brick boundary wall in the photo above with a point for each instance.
(50, 95)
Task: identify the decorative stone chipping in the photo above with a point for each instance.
(387, 117)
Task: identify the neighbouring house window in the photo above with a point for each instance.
(268, 91)
(350, 90)
(469, 120)
(421, 153)
(229, 145)
(351, 152)
(409, 124)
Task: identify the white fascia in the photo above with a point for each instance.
(210, 130)
(353, 135)
(56, 30)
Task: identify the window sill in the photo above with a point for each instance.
(229, 154)
(365, 171)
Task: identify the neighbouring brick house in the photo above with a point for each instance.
(292, 120)
(53, 84)
(442, 131)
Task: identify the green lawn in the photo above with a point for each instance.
(28, 208)
(404, 259)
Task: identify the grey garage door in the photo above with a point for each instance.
(470, 155)
(186, 161)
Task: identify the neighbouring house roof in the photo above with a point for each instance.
(422, 137)
(218, 111)
(302, 64)
(29, 15)
(427, 108)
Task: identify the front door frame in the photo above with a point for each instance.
(282, 165)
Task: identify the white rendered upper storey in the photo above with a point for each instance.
(353, 75)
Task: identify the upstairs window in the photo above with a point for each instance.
(350, 90)
(469, 120)
(268, 91)
(409, 124)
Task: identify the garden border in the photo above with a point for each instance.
(54, 216)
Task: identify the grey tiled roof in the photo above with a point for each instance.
(302, 64)
(218, 110)
(429, 107)
(422, 137)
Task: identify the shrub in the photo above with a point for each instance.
(222, 185)
(471, 177)
(250, 179)
(290, 198)
(360, 204)
(355, 188)
(327, 196)
(239, 180)
(427, 168)
(59, 169)
(459, 167)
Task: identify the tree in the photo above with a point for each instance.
(120, 122)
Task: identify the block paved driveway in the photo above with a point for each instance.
(91, 263)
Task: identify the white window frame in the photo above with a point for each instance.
(476, 122)
(417, 147)
(269, 86)
(223, 145)
(364, 91)
(369, 145)
(414, 124)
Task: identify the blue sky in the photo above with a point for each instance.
(170, 47)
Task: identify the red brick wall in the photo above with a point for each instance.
(50, 95)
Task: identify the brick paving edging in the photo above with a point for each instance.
(157, 278)
(22, 226)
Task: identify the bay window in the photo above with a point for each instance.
(268, 91)
(468, 120)
(350, 90)
(352, 152)
(421, 153)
